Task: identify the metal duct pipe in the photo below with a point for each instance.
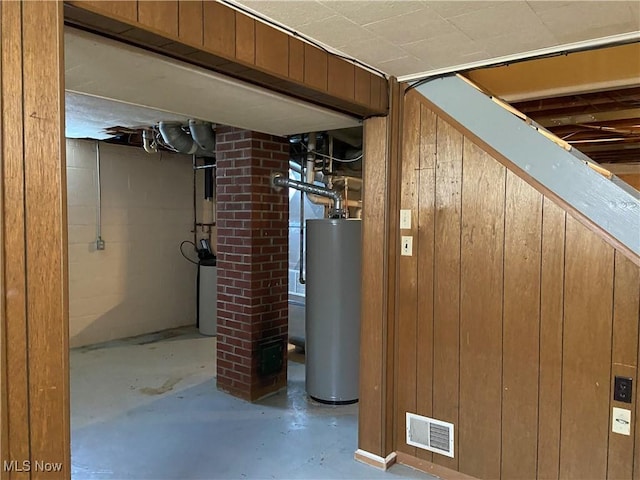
(148, 142)
(176, 138)
(203, 135)
(311, 157)
(279, 180)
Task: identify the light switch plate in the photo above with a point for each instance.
(621, 421)
(405, 219)
(406, 248)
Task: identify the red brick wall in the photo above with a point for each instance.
(252, 249)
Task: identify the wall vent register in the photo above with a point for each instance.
(430, 434)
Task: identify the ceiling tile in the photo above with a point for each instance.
(447, 9)
(364, 12)
(541, 6)
(534, 38)
(452, 46)
(494, 21)
(582, 20)
(589, 33)
(336, 31)
(374, 51)
(291, 13)
(404, 66)
(411, 27)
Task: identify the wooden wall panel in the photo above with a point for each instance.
(34, 297)
(551, 323)
(272, 49)
(159, 15)
(46, 235)
(245, 38)
(126, 9)
(529, 319)
(340, 77)
(425, 254)
(408, 277)
(14, 273)
(315, 67)
(392, 242)
(521, 329)
(296, 59)
(378, 92)
(191, 21)
(446, 316)
(373, 318)
(483, 197)
(624, 359)
(213, 35)
(362, 86)
(586, 353)
(219, 28)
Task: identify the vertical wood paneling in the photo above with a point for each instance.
(446, 329)
(127, 9)
(219, 28)
(315, 67)
(245, 38)
(190, 21)
(272, 49)
(370, 414)
(425, 252)
(160, 15)
(340, 78)
(526, 329)
(296, 59)
(14, 234)
(46, 235)
(392, 242)
(408, 274)
(362, 86)
(586, 353)
(624, 357)
(625, 313)
(483, 196)
(521, 329)
(378, 91)
(551, 320)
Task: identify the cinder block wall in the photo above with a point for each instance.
(140, 283)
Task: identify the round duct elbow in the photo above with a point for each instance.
(203, 134)
(176, 138)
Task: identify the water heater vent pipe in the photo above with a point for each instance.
(279, 180)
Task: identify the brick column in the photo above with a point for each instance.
(252, 249)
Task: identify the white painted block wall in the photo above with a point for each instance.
(140, 283)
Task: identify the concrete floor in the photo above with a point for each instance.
(147, 408)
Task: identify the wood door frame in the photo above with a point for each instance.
(34, 321)
(34, 364)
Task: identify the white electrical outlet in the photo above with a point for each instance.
(405, 219)
(406, 248)
(621, 421)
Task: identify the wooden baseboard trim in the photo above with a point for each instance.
(375, 460)
(431, 468)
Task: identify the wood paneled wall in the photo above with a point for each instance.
(211, 34)
(513, 320)
(34, 323)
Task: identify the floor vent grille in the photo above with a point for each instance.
(430, 434)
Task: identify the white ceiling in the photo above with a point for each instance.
(409, 38)
(109, 83)
(87, 116)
